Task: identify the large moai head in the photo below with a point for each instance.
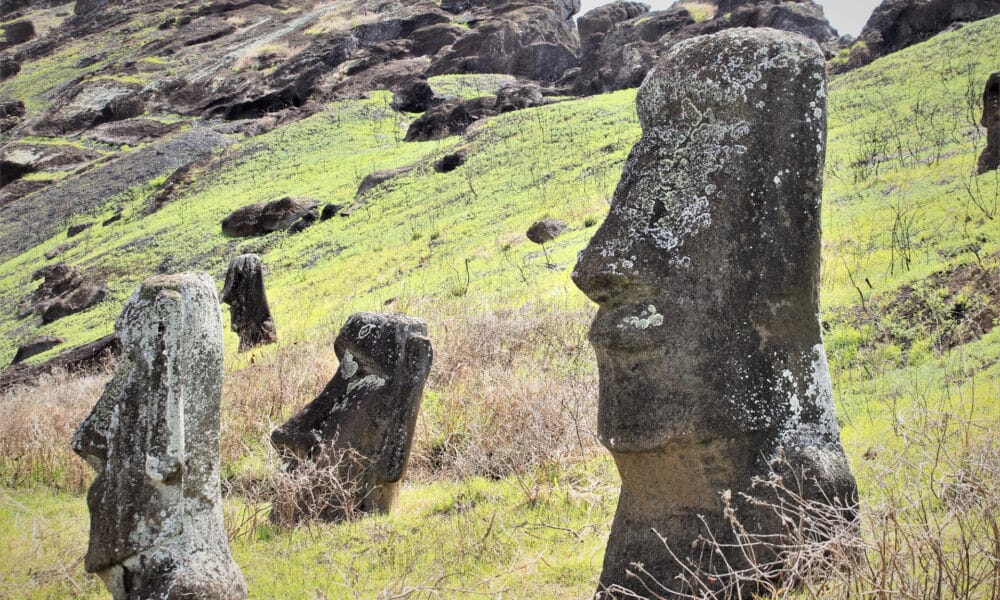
(244, 293)
(706, 272)
(156, 526)
(369, 407)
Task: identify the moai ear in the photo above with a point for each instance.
(415, 365)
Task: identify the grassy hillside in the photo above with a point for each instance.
(509, 495)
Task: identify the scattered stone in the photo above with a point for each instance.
(450, 162)
(9, 68)
(713, 371)
(36, 347)
(63, 247)
(244, 293)
(266, 217)
(18, 32)
(305, 221)
(414, 96)
(330, 211)
(454, 117)
(546, 230)
(82, 359)
(11, 108)
(90, 105)
(156, 527)
(75, 230)
(369, 408)
(377, 178)
(63, 292)
(990, 158)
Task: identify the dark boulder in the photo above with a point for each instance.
(377, 178)
(63, 292)
(450, 162)
(330, 211)
(898, 24)
(75, 230)
(546, 230)
(266, 217)
(9, 68)
(18, 32)
(990, 158)
(11, 108)
(36, 347)
(304, 222)
(364, 420)
(455, 116)
(81, 359)
(414, 96)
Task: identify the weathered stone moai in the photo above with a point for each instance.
(706, 271)
(369, 409)
(989, 160)
(244, 293)
(156, 528)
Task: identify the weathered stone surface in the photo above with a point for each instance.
(90, 105)
(78, 360)
(266, 217)
(75, 230)
(706, 272)
(370, 407)
(156, 528)
(36, 347)
(989, 160)
(545, 230)
(330, 211)
(19, 159)
(450, 162)
(9, 68)
(244, 293)
(131, 132)
(63, 291)
(454, 117)
(18, 32)
(377, 178)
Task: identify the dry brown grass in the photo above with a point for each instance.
(266, 56)
(36, 425)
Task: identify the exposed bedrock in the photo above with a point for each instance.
(708, 340)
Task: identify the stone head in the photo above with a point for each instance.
(705, 270)
(153, 436)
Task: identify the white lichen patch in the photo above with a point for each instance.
(646, 319)
(348, 366)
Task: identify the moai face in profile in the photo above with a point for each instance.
(156, 527)
(706, 272)
(369, 408)
(247, 300)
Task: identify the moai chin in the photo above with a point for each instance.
(706, 271)
(369, 408)
(156, 529)
(244, 293)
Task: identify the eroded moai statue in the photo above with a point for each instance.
(247, 300)
(706, 272)
(989, 160)
(156, 528)
(369, 409)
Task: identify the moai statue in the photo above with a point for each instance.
(156, 528)
(369, 409)
(247, 300)
(706, 271)
(989, 160)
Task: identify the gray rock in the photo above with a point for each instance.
(36, 347)
(249, 311)
(989, 160)
(546, 230)
(90, 105)
(18, 159)
(706, 272)
(266, 217)
(156, 529)
(369, 407)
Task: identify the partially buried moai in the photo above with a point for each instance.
(708, 336)
(244, 293)
(369, 408)
(989, 160)
(156, 529)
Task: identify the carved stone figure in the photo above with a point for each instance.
(369, 408)
(989, 160)
(706, 271)
(156, 528)
(250, 315)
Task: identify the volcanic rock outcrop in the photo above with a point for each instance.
(989, 160)
(454, 117)
(706, 271)
(266, 217)
(156, 529)
(64, 291)
(244, 293)
(368, 409)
